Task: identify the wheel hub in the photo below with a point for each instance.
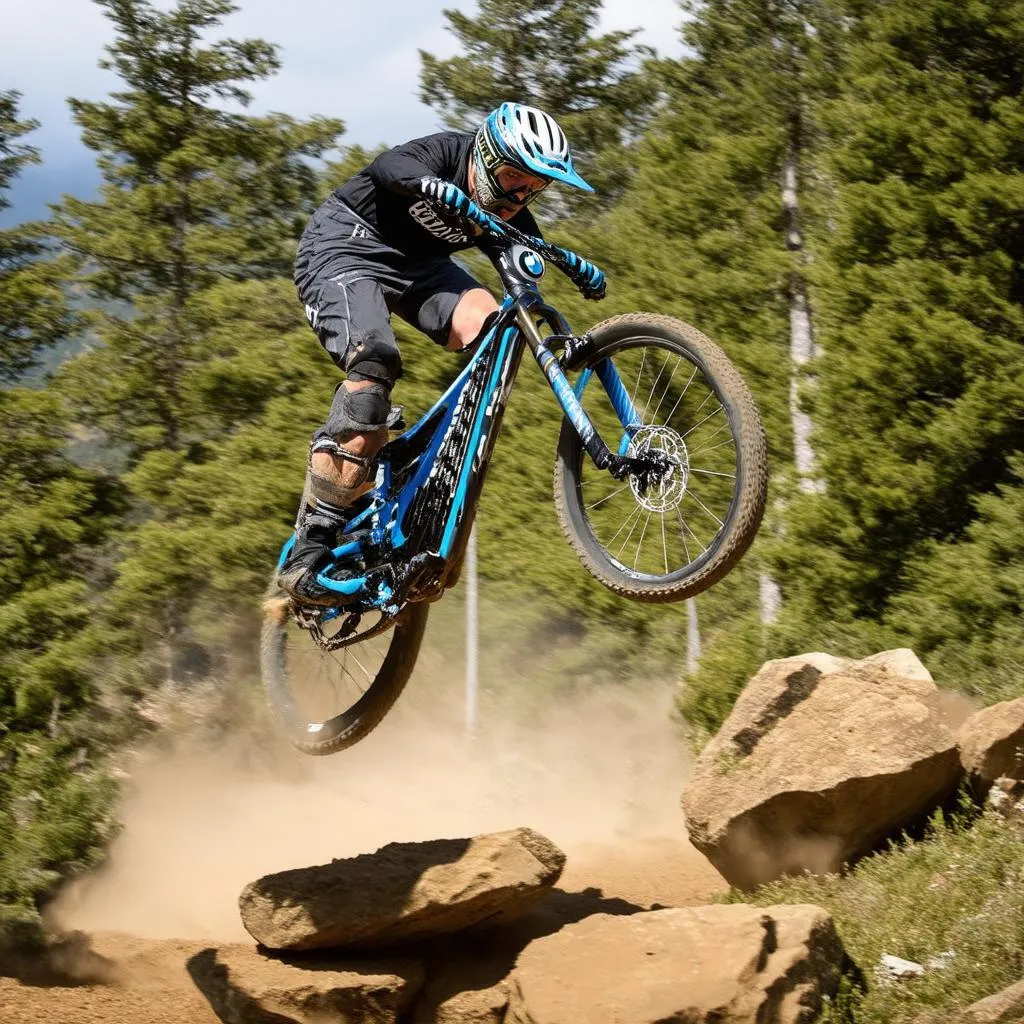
(664, 490)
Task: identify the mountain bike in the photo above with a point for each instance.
(660, 484)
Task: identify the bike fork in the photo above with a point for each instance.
(619, 464)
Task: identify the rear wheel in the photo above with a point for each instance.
(694, 413)
(327, 700)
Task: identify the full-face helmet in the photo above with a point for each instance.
(526, 139)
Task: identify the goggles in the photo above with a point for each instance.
(508, 185)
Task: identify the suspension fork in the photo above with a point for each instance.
(619, 464)
(619, 396)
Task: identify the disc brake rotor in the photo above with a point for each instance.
(667, 492)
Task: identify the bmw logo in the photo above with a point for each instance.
(529, 263)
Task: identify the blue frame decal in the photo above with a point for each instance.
(385, 515)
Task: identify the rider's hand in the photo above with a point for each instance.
(589, 279)
(453, 199)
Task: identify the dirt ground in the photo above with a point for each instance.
(599, 773)
(150, 985)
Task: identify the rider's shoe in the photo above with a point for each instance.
(314, 543)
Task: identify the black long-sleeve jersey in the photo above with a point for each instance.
(386, 195)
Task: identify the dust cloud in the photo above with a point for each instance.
(597, 767)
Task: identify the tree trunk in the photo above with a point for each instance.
(802, 348)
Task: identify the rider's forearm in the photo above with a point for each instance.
(399, 172)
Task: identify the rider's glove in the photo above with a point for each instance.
(453, 199)
(588, 278)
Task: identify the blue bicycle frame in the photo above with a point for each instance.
(408, 540)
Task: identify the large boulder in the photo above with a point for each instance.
(697, 964)
(468, 974)
(245, 986)
(401, 893)
(820, 760)
(992, 743)
(1003, 1007)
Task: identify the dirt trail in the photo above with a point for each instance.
(152, 986)
(600, 775)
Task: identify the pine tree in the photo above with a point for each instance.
(54, 800)
(33, 310)
(921, 405)
(192, 195)
(964, 598)
(197, 218)
(547, 55)
(711, 230)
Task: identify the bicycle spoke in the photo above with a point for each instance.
(362, 666)
(601, 501)
(630, 534)
(635, 512)
(668, 418)
(643, 418)
(706, 509)
(640, 373)
(721, 444)
(696, 425)
(345, 671)
(669, 385)
(686, 526)
(664, 543)
(640, 542)
(711, 472)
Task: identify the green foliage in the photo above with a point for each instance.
(33, 311)
(192, 195)
(963, 603)
(961, 889)
(597, 86)
(920, 405)
(54, 809)
(203, 382)
(53, 803)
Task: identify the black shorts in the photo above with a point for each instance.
(351, 281)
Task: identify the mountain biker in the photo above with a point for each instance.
(381, 244)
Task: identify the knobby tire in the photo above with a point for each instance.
(750, 492)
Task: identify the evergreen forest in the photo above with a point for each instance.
(833, 190)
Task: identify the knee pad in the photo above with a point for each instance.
(358, 412)
(375, 358)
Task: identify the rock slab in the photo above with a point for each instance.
(992, 743)
(1001, 1008)
(245, 986)
(820, 760)
(696, 964)
(402, 893)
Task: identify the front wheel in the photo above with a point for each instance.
(672, 392)
(326, 700)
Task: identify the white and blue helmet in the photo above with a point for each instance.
(524, 137)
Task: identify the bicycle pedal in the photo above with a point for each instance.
(306, 616)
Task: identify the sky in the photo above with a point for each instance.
(357, 61)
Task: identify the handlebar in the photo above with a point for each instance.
(554, 255)
(503, 231)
